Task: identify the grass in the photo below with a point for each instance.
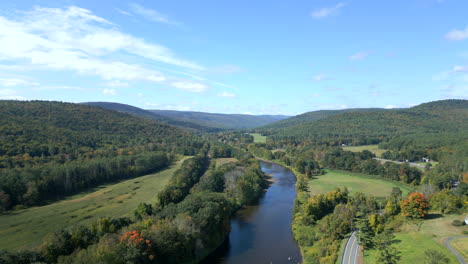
(461, 245)
(25, 229)
(222, 161)
(258, 138)
(432, 234)
(355, 183)
(372, 148)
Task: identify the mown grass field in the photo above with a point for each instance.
(461, 245)
(258, 138)
(355, 183)
(372, 148)
(25, 229)
(432, 234)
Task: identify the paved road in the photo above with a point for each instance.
(351, 252)
(447, 244)
(399, 162)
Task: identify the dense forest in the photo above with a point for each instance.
(198, 122)
(51, 149)
(184, 229)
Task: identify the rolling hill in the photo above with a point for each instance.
(223, 121)
(195, 121)
(315, 115)
(366, 127)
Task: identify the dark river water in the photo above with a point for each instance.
(261, 233)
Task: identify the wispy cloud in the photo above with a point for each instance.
(359, 56)
(458, 68)
(152, 15)
(321, 77)
(10, 94)
(74, 39)
(10, 82)
(328, 11)
(190, 86)
(108, 91)
(225, 69)
(227, 95)
(456, 34)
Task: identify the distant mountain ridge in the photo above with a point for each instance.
(224, 121)
(194, 121)
(316, 115)
(366, 127)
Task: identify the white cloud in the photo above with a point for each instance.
(190, 86)
(9, 82)
(320, 77)
(108, 91)
(390, 107)
(227, 95)
(117, 83)
(456, 34)
(10, 94)
(458, 68)
(359, 56)
(328, 11)
(74, 39)
(152, 15)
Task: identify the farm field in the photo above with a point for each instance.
(25, 229)
(432, 234)
(258, 138)
(355, 183)
(372, 148)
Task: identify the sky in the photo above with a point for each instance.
(243, 56)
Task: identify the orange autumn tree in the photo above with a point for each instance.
(136, 248)
(415, 206)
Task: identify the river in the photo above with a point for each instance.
(261, 233)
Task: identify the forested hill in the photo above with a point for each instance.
(315, 115)
(42, 130)
(194, 121)
(223, 121)
(50, 149)
(184, 124)
(448, 117)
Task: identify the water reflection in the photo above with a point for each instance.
(261, 233)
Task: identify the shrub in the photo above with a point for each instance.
(457, 222)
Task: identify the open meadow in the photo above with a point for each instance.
(413, 241)
(355, 182)
(372, 148)
(26, 228)
(258, 138)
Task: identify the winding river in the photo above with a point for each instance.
(261, 233)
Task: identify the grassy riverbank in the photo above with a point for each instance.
(25, 229)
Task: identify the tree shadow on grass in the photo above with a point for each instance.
(433, 216)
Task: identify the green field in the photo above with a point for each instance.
(25, 229)
(258, 138)
(222, 161)
(412, 243)
(461, 245)
(372, 148)
(355, 183)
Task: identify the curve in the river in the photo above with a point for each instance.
(261, 233)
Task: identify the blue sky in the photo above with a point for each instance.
(258, 57)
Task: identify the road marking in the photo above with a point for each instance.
(352, 244)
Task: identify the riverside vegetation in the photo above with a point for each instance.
(190, 217)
